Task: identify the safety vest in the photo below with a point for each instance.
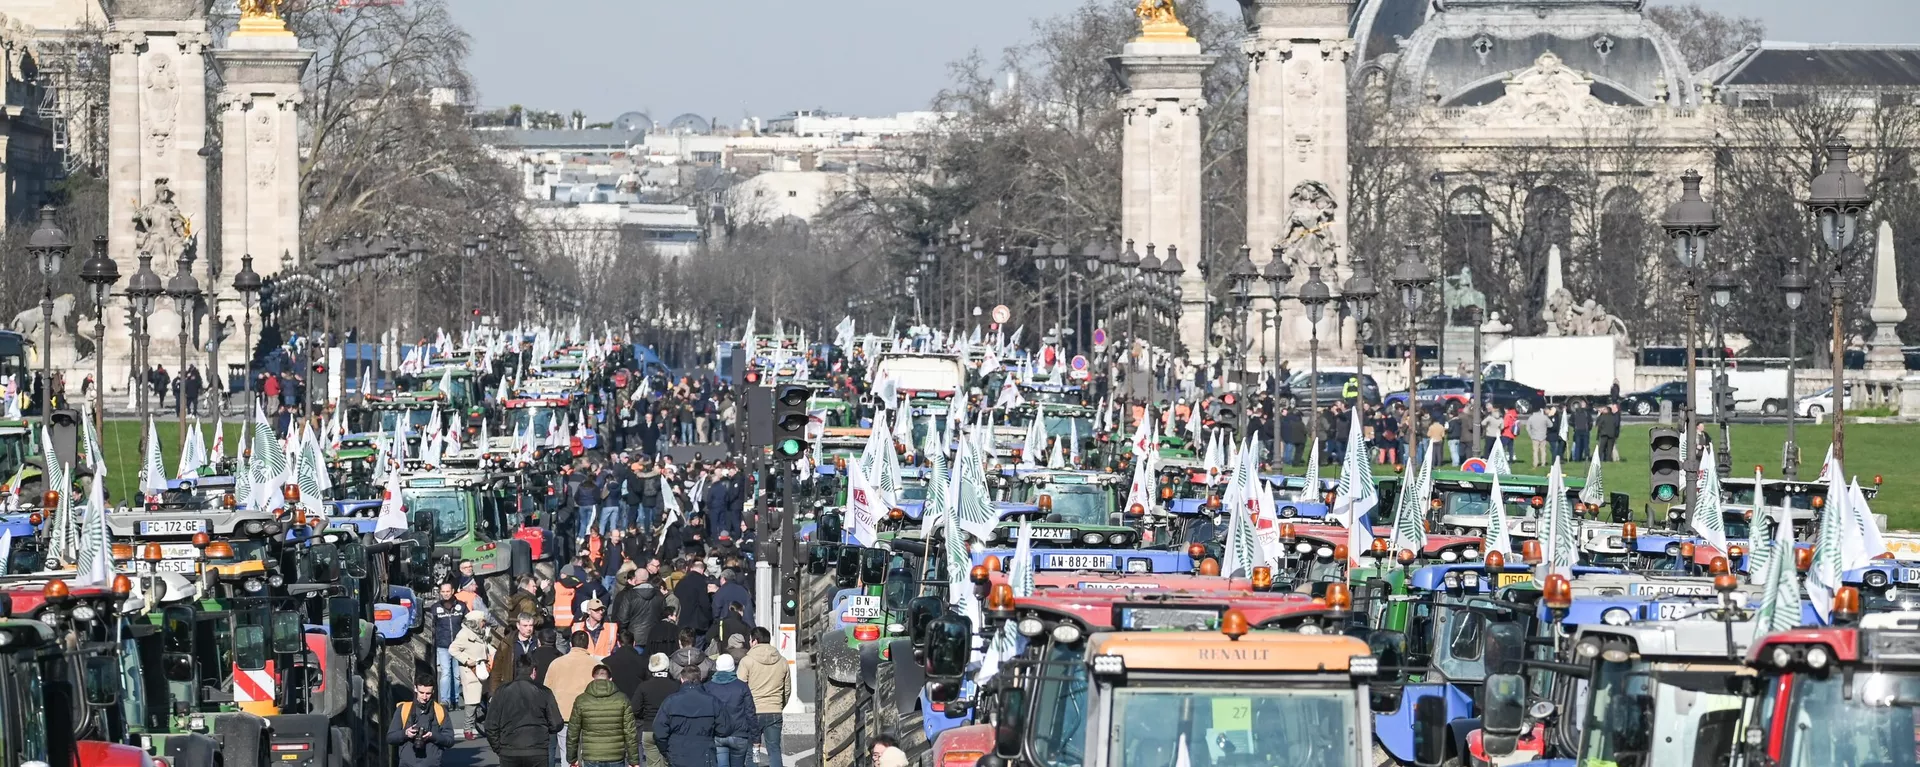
(562, 605)
(1351, 390)
(601, 644)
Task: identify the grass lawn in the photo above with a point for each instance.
(1871, 449)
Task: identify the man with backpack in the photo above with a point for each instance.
(421, 729)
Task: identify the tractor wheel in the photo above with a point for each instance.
(834, 722)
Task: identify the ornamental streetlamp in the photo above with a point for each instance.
(1720, 288)
(247, 283)
(184, 289)
(1146, 289)
(1794, 287)
(1411, 279)
(1839, 200)
(100, 273)
(142, 289)
(1314, 296)
(1170, 272)
(1240, 278)
(1359, 293)
(1689, 222)
(48, 247)
(1278, 275)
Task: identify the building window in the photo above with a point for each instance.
(1483, 45)
(793, 193)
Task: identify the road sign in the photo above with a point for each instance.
(1079, 362)
(1001, 314)
(1099, 336)
(1475, 465)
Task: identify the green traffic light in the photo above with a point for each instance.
(1664, 493)
(790, 448)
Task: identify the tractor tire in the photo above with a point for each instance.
(496, 590)
(834, 723)
(909, 729)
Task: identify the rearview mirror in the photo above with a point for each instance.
(353, 559)
(873, 566)
(1503, 712)
(1429, 731)
(179, 666)
(1385, 698)
(949, 645)
(343, 623)
(288, 633)
(323, 563)
(1505, 646)
(846, 568)
(829, 529)
(103, 680)
(921, 611)
(817, 558)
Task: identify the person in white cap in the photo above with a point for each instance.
(659, 684)
(736, 750)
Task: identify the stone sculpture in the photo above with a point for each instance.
(163, 230)
(1309, 225)
(30, 321)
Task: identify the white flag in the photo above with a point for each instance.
(193, 454)
(153, 475)
(864, 508)
(1497, 537)
(393, 511)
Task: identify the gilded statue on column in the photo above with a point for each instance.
(1160, 21)
(262, 17)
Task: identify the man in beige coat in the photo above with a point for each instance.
(764, 670)
(568, 677)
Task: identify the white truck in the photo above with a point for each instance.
(1755, 390)
(1562, 366)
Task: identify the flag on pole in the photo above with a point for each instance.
(90, 446)
(864, 507)
(392, 521)
(193, 454)
(1824, 578)
(1355, 495)
(6, 550)
(1706, 520)
(95, 555)
(153, 475)
(974, 501)
(1560, 534)
(1771, 563)
(1497, 460)
(1243, 549)
(1020, 570)
(1409, 521)
(1497, 537)
(1310, 491)
(1594, 494)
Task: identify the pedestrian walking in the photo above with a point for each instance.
(601, 732)
(689, 721)
(1580, 427)
(734, 749)
(659, 685)
(567, 678)
(1538, 425)
(764, 670)
(627, 664)
(420, 729)
(472, 652)
(1607, 429)
(690, 656)
(448, 614)
(522, 719)
(696, 601)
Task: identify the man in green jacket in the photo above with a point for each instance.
(601, 732)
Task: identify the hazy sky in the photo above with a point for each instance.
(729, 58)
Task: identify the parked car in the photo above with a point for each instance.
(1502, 393)
(1648, 402)
(1818, 404)
(1331, 386)
(1438, 389)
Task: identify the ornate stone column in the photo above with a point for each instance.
(1161, 162)
(156, 126)
(1297, 151)
(260, 145)
(1885, 360)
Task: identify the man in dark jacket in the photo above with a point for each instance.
(422, 730)
(695, 593)
(544, 655)
(719, 496)
(665, 637)
(736, 749)
(639, 605)
(521, 720)
(659, 686)
(447, 614)
(688, 723)
(1606, 429)
(1580, 423)
(628, 666)
(731, 592)
(601, 732)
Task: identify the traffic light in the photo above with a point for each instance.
(790, 421)
(1666, 460)
(1226, 412)
(759, 417)
(319, 369)
(790, 597)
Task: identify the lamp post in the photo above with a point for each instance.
(1794, 287)
(1125, 268)
(1689, 222)
(143, 288)
(100, 273)
(184, 289)
(1278, 275)
(247, 283)
(1314, 295)
(1359, 293)
(1240, 286)
(48, 247)
(1720, 288)
(1170, 272)
(1412, 278)
(1148, 284)
(1838, 201)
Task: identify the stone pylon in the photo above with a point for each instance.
(1884, 357)
(1297, 52)
(1161, 162)
(260, 147)
(156, 127)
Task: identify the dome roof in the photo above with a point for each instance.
(1466, 49)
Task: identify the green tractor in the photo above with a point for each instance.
(473, 515)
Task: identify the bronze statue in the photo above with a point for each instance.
(260, 8)
(1155, 12)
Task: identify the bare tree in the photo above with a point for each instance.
(1706, 37)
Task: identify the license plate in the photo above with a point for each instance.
(1672, 590)
(165, 566)
(864, 608)
(1502, 580)
(1910, 575)
(1048, 533)
(1673, 611)
(171, 526)
(1077, 562)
